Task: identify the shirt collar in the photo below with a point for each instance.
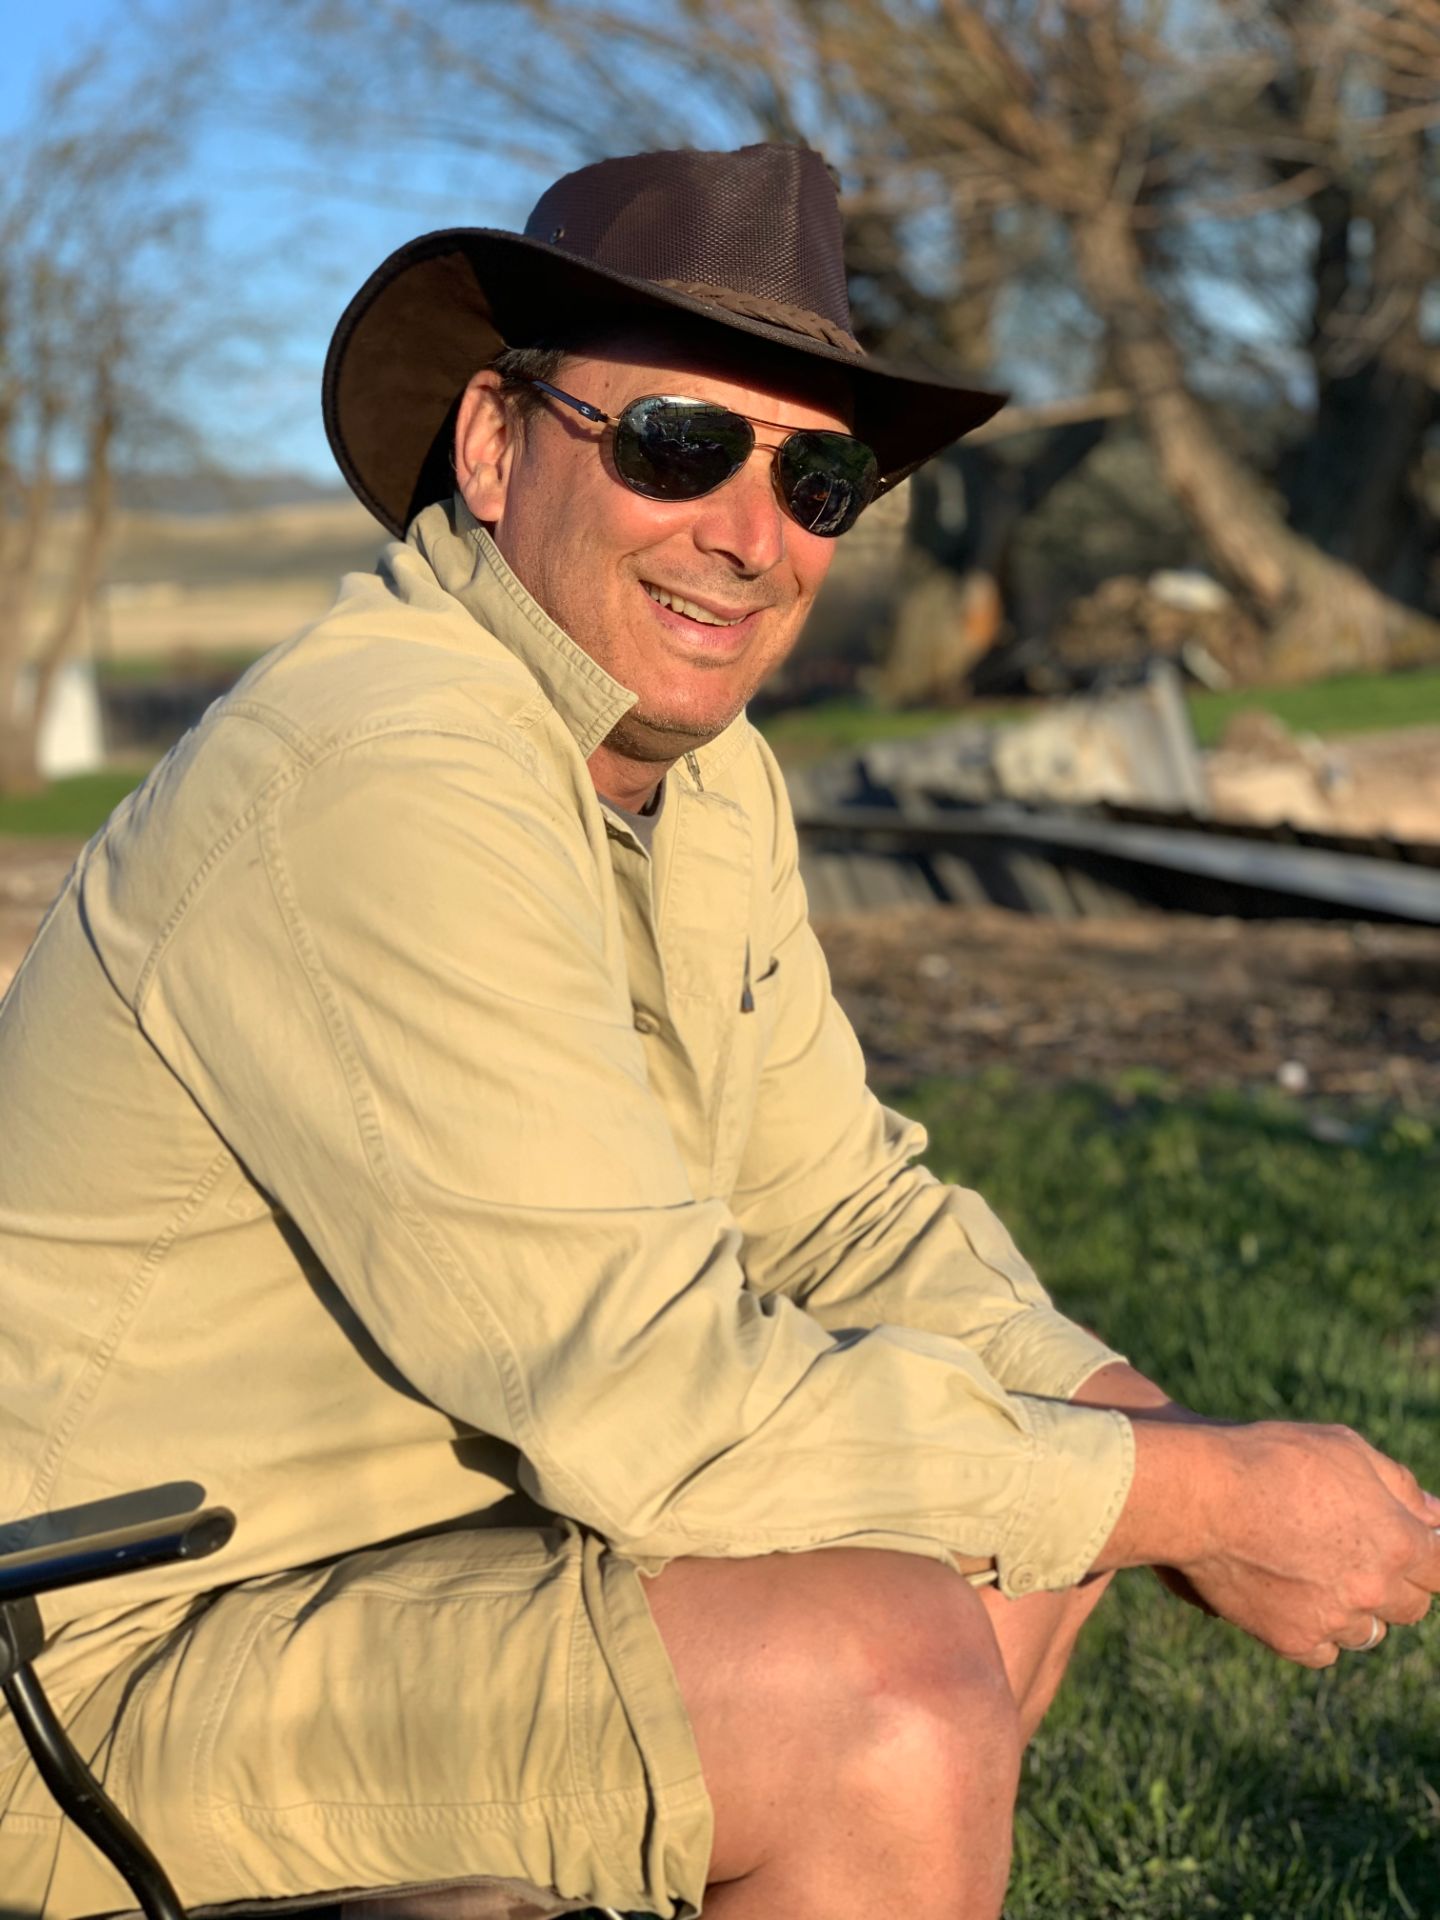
(469, 565)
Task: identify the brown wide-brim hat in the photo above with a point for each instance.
(748, 241)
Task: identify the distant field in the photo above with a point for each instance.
(184, 585)
(208, 593)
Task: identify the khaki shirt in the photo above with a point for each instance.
(393, 1143)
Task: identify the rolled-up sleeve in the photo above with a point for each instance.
(395, 997)
(839, 1216)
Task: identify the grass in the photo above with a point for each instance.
(1359, 703)
(68, 808)
(1356, 703)
(143, 669)
(1256, 1273)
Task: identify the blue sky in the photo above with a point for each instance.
(297, 234)
(294, 234)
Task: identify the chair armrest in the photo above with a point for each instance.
(101, 1556)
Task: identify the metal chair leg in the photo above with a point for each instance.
(78, 1792)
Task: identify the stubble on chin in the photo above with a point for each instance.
(653, 738)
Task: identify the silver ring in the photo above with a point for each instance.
(1377, 1634)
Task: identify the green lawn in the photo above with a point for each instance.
(1358, 703)
(224, 663)
(800, 734)
(1361, 703)
(1254, 1272)
(68, 807)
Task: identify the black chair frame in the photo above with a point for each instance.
(24, 1577)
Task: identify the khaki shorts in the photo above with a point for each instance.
(470, 1706)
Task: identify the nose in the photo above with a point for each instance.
(743, 522)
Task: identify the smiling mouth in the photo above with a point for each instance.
(676, 603)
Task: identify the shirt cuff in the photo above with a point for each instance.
(1081, 1470)
(1040, 1351)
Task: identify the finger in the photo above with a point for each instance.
(1401, 1482)
(1410, 1550)
(1363, 1634)
(1325, 1655)
(1408, 1607)
(1424, 1570)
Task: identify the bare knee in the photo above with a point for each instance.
(933, 1757)
(917, 1674)
(853, 1704)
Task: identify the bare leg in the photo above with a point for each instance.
(1036, 1637)
(857, 1733)
(859, 1718)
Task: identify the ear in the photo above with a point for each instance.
(485, 443)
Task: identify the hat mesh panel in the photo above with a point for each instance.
(765, 222)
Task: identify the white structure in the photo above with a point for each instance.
(71, 736)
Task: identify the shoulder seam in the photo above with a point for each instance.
(394, 727)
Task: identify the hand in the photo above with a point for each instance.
(1313, 1536)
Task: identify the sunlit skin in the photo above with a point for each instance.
(587, 547)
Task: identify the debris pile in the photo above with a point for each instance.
(1175, 615)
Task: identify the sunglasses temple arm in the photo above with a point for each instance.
(582, 407)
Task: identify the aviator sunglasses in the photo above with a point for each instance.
(669, 448)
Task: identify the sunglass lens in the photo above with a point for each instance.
(678, 449)
(827, 480)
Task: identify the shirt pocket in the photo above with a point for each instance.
(752, 1023)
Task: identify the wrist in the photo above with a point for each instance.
(1184, 1474)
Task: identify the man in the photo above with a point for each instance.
(440, 1142)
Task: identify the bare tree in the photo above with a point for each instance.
(1045, 167)
(97, 259)
(1376, 253)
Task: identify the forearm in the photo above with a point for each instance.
(1120, 1385)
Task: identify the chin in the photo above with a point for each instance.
(652, 736)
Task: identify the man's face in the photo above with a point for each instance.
(617, 571)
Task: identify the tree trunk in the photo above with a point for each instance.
(960, 599)
(1351, 484)
(1321, 617)
(20, 728)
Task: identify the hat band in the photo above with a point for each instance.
(754, 306)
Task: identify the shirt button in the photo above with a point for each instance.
(645, 1022)
(1022, 1580)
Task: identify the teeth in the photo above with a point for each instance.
(688, 607)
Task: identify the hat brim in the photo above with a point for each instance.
(447, 304)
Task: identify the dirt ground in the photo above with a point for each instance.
(1328, 1011)
(1322, 1011)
